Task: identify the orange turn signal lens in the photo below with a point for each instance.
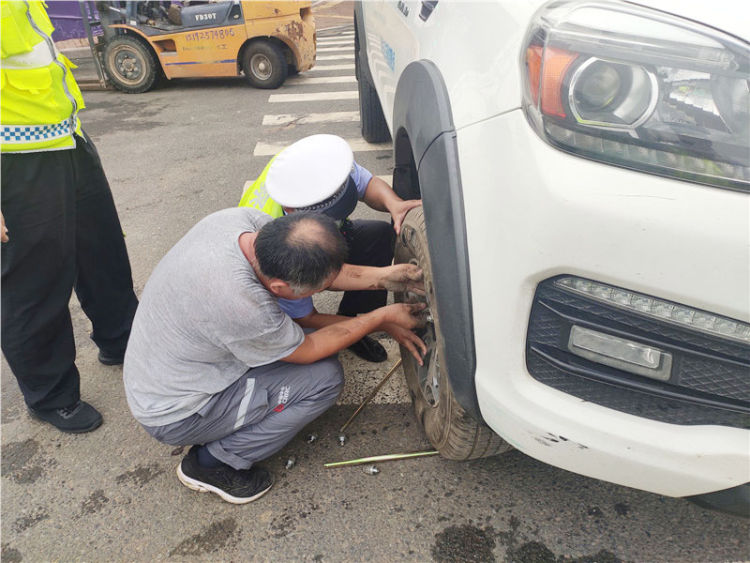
(547, 69)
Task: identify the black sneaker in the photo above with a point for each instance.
(111, 359)
(238, 486)
(76, 419)
(369, 349)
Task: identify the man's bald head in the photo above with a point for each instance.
(303, 249)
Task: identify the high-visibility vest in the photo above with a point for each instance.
(256, 196)
(39, 97)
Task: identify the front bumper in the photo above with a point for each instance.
(545, 213)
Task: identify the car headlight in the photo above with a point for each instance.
(641, 89)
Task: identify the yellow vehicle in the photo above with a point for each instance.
(265, 41)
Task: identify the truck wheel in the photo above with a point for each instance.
(130, 64)
(371, 118)
(453, 432)
(264, 65)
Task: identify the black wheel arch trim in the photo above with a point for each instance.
(360, 51)
(425, 135)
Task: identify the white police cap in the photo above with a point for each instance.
(312, 174)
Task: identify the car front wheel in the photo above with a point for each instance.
(450, 429)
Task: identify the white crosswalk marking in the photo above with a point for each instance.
(308, 80)
(319, 68)
(307, 118)
(328, 42)
(336, 58)
(337, 49)
(357, 145)
(313, 97)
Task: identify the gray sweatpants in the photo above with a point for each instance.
(259, 413)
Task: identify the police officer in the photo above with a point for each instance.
(318, 173)
(62, 227)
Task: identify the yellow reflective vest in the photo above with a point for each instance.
(256, 196)
(39, 98)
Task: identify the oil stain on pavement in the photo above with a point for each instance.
(465, 543)
(27, 521)
(10, 554)
(141, 475)
(94, 502)
(22, 462)
(470, 544)
(216, 536)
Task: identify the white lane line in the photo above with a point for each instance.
(348, 49)
(305, 118)
(303, 80)
(320, 68)
(336, 58)
(313, 96)
(357, 145)
(387, 178)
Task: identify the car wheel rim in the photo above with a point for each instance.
(261, 67)
(428, 374)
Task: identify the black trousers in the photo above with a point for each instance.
(370, 244)
(64, 234)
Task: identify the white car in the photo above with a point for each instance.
(585, 173)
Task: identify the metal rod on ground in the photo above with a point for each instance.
(373, 459)
(371, 395)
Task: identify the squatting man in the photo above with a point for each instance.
(215, 363)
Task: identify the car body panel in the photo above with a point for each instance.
(532, 212)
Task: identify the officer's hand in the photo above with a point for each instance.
(403, 277)
(399, 211)
(3, 229)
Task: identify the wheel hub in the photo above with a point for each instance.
(261, 67)
(128, 66)
(428, 374)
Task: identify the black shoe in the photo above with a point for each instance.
(76, 419)
(369, 349)
(237, 486)
(111, 359)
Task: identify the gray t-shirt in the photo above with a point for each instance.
(203, 320)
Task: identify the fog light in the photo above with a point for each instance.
(620, 353)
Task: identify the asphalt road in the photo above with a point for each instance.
(172, 156)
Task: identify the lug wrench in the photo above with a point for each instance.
(371, 395)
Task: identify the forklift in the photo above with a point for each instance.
(135, 43)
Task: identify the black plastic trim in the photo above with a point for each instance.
(424, 134)
(360, 51)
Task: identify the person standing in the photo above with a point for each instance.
(318, 173)
(60, 224)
